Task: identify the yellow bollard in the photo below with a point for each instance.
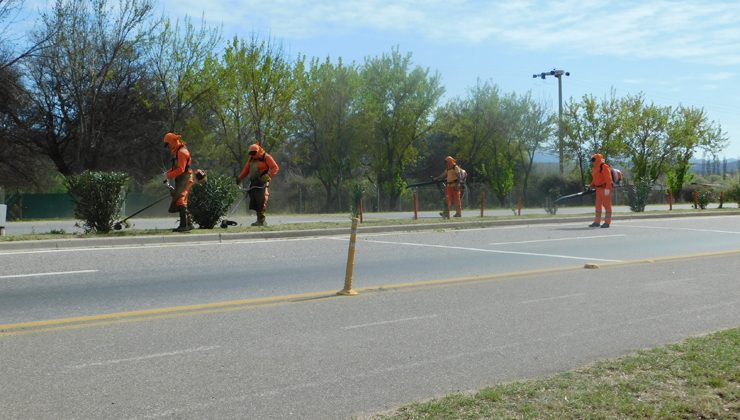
(347, 291)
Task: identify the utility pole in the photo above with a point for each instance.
(559, 74)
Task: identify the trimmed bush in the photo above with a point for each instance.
(705, 197)
(97, 197)
(209, 201)
(638, 194)
(733, 193)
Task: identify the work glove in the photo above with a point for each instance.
(606, 192)
(265, 179)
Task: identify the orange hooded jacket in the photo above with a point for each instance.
(265, 163)
(601, 173)
(180, 155)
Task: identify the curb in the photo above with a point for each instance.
(225, 237)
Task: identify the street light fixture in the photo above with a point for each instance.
(559, 74)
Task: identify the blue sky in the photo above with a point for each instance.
(675, 52)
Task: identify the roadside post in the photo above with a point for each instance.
(482, 202)
(416, 206)
(348, 291)
(3, 216)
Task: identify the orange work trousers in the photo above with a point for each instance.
(603, 200)
(453, 197)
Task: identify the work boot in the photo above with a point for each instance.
(261, 220)
(186, 224)
(445, 214)
(595, 224)
(457, 215)
(605, 225)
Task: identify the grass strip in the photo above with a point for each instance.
(696, 379)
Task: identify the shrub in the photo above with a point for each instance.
(209, 201)
(637, 194)
(97, 197)
(733, 193)
(553, 186)
(356, 194)
(705, 196)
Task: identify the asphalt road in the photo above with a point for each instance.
(252, 329)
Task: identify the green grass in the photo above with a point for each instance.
(696, 379)
(61, 234)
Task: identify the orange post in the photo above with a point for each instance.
(416, 206)
(519, 206)
(482, 202)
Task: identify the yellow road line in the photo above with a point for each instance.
(62, 324)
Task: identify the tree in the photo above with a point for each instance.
(690, 130)
(645, 138)
(486, 126)
(537, 125)
(86, 85)
(397, 103)
(177, 57)
(326, 122)
(255, 100)
(592, 126)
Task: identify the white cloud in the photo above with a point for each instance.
(719, 76)
(697, 30)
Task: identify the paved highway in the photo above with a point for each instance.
(252, 329)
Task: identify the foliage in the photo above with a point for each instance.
(358, 191)
(98, 198)
(592, 126)
(704, 197)
(327, 143)
(638, 193)
(177, 58)
(209, 201)
(397, 102)
(733, 193)
(88, 86)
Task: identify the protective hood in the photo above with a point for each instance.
(451, 162)
(173, 141)
(597, 159)
(258, 149)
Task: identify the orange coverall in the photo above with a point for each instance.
(601, 180)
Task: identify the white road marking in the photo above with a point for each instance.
(53, 273)
(373, 324)
(493, 251)
(172, 245)
(552, 298)
(680, 228)
(145, 357)
(556, 239)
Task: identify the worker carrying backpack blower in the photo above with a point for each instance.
(602, 181)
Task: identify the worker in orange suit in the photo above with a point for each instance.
(601, 181)
(260, 168)
(183, 176)
(454, 187)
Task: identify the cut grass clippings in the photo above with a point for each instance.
(696, 379)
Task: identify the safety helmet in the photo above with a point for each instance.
(255, 149)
